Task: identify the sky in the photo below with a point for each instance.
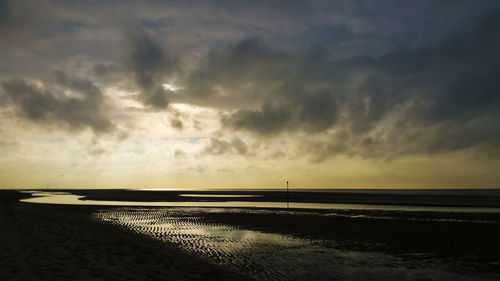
(249, 94)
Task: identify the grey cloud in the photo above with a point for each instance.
(50, 104)
(239, 146)
(277, 154)
(150, 67)
(468, 97)
(7, 142)
(55, 29)
(106, 71)
(275, 86)
(176, 123)
(219, 146)
(438, 98)
(97, 151)
(310, 112)
(179, 153)
(4, 11)
(268, 120)
(240, 73)
(82, 86)
(454, 93)
(442, 97)
(318, 111)
(372, 101)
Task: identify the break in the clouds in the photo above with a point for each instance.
(253, 88)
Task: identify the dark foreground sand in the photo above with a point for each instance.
(57, 242)
(48, 242)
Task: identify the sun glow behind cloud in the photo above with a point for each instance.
(170, 87)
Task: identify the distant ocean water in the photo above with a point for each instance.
(426, 191)
(468, 191)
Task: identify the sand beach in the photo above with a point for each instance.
(92, 242)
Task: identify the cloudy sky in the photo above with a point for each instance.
(224, 93)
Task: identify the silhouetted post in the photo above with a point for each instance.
(287, 201)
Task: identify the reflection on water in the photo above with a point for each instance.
(269, 256)
(220, 195)
(157, 189)
(71, 199)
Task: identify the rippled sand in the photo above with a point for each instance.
(272, 256)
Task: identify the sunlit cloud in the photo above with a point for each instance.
(170, 87)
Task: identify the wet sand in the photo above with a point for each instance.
(282, 245)
(458, 198)
(50, 242)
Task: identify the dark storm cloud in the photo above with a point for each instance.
(318, 111)
(268, 120)
(310, 112)
(150, 67)
(291, 97)
(252, 74)
(240, 73)
(444, 96)
(452, 90)
(73, 103)
(4, 11)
